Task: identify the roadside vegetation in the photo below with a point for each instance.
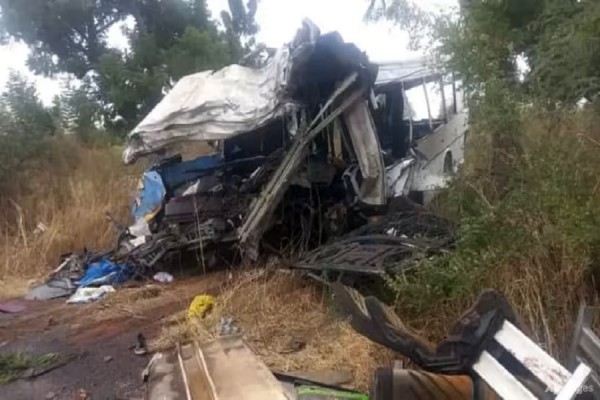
(527, 198)
(14, 365)
(57, 205)
(535, 238)
(60, 163)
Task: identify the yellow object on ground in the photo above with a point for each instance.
(200, 306)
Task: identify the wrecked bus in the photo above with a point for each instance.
(305, 150)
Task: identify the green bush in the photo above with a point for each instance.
(539, 239)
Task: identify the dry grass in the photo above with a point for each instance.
(68, 188)
(277, 310)
(71, 202)
(537, 242)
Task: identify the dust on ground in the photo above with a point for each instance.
(287, 320)
(93, 334)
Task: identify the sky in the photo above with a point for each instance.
(278, 21)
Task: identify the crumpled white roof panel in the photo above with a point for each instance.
(214, 105)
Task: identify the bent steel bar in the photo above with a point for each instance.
(264, 204)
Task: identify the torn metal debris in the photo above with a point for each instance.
(227, 368)
(388, 246)
(304, 150)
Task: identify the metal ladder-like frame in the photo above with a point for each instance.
(585, 347)
(563, 384)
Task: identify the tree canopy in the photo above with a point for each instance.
(559, 40)
(167, 40)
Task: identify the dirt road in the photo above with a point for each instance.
(98, 336)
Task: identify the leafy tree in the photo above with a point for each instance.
(240, 27)
(81, 112)
(566, 54)
(171, 38)
(25, 127)
(66, 35)
(559, 39)
(57, 111)
(23, 111)
(196, 51)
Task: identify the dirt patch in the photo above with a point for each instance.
(287, 320)
(93, 334)
(290, 324)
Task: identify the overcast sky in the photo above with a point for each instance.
(278, 21)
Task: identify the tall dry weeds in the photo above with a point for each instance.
(69, 192)
(537, 238)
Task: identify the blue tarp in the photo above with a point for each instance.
(150, 196)
(159, 183)
(104, 272)
(176, 174)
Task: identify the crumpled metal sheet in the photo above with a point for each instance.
(54, 288)
(215, 105)
(366, 145)
(409, 72)
(398, 177)
(389, 246)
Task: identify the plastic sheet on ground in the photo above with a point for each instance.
(163, 277)
(11, 307)
(104, 272)
(52, 289)
(88, 295)
(200, 306)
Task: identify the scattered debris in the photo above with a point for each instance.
(11, 308)
(88, 295)
(65, 279)
(163, 277)
(50, 396)
(104, 272)
(52, 289)
(323, 377)
(301, 161)
(227, 369)
(200, 305)
(227, 327)
(82, 394)
(140, 348)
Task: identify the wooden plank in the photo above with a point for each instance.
(536, 360)
(589, 347)
(164, 378)
(194, 375)
(235, 371)
(500, 380)
(584, 319)
(573, 387)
